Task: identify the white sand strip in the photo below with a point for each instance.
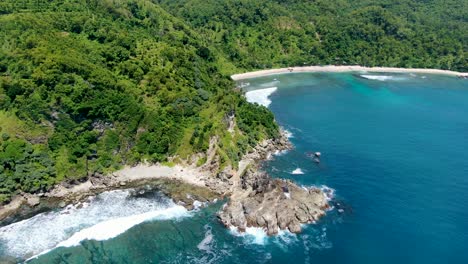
(332, 68)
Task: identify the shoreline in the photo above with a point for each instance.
(247, 187)
(201, 182)
(337, 69)
(171, 180)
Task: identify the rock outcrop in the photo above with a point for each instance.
(257, 200)
(272, 204)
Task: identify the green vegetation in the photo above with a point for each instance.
(89, 86)
(253, 34)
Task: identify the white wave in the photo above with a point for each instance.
(252, 235)
(112, 228)
(297, 171)
(197, 204)
(280, 152)
(259, 236)
(285, 239)
(328, 192)
(260, 96)
(377, 77)
(288, 133)
(105, 216)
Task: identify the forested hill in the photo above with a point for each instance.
(252, 34)
(88, 86)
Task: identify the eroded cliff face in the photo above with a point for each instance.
(257, 200)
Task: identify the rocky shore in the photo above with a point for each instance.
(276, 204)
(255, 199)
(272, 204)
(27, 205)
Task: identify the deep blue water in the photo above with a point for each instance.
(394, 151)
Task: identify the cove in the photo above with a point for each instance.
(393, 152)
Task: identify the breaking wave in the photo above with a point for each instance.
(260, 96)
(297, 171)
(377, 77)
(258, 236)
(288, 133)
(252, 235)
(328, 192)
(100, 218)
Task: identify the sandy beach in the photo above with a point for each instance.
(332, 68)
(128, 176)
(190, 175)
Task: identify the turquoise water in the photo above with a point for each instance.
(394, 151)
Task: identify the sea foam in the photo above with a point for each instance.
(329, 193)
(297, 171)
(205, 244)
(288, 133)
(106, 216)
(378, 77)
(252, 235)
(259, 236)
(260, 96)
(114, 227)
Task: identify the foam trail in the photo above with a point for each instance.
(297, 171)
(105, 216)
(205, 244)
(270, 84)
(260, 96)
(378, 77)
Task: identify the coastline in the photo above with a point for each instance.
(333, 68)
(202, 183)
(255, 200)
(174, 181)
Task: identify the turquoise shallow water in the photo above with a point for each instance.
(394, 151)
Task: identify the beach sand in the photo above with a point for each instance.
(186, 174)
(332, 68)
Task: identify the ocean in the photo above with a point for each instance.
(394, 153)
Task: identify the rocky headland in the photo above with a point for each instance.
(257, 200)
